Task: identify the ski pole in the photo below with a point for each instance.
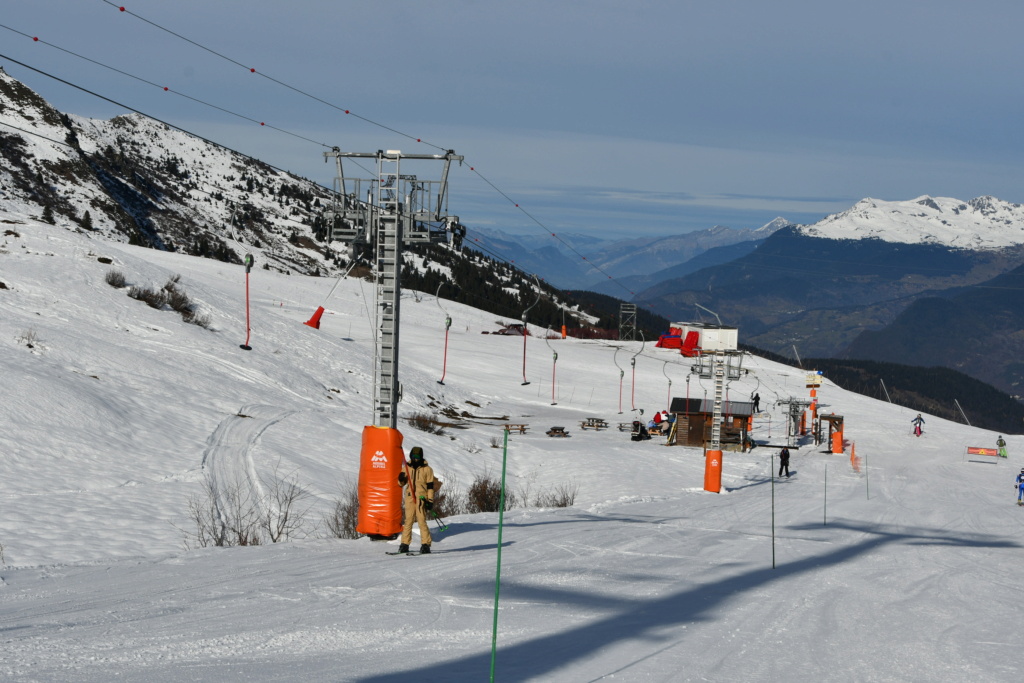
(441, 525)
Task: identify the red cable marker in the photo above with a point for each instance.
(35, 39)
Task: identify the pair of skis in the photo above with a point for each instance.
(441, 527)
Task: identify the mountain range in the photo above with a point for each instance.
(883, 280)
(834, 287)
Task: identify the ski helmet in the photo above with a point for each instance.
(416, 453)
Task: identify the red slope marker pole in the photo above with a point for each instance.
(444, 363)
(249, 260)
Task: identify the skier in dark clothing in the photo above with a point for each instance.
(784, 462)
(756, 398)
(917, 422)
(1020, 487)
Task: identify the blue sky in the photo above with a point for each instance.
(605, 118)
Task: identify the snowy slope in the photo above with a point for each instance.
(983, 223)
(115, 413)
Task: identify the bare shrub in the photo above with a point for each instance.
(240, 515)
(284, 508)
(236, 515)
(341, 520)
(170, 295)
(29, 338)
(178, 300)
(561, 496)
(450, 499)
(115, 279)
(495, 442)
(195, 317)
(426, 423)
(153, 298)
(484, 495)
(202, 512)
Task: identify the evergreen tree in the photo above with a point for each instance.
(48, 214)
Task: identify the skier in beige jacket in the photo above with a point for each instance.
(418, 480)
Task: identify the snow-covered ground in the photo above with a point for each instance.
(114, 414)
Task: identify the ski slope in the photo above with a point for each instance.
(115, 414)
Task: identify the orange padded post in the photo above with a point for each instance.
(837, 441)
(713, 471)
(380, 495)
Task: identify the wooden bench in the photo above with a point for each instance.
(557, 431)
(594, 423)
(521, 428)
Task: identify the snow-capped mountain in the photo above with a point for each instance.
(137, 180)
(984, 223)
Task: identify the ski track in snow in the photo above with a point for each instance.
(228, 458)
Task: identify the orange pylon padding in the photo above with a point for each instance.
(837, 442)
(315, 320)
(713, 471)
(380, 494)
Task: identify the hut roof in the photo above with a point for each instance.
(696, 406)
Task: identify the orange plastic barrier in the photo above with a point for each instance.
(837, 442)
(977, 450)
(713, 471)
(380, 495)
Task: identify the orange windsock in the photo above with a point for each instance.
(380, 494)
(315, 320)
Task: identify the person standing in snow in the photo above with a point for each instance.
(418, 479)
(1001, 445)
(917, 422)
(1020, 487)
(756, 399)
(784, 462)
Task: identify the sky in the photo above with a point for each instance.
(905, 568)
(604, 118)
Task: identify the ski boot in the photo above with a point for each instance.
(425, 549)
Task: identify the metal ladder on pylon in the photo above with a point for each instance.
(387, 262)
(716, 418)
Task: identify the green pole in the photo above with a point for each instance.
(772, 463)
(497, 574)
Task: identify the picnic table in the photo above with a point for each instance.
(594, 423)
(557, 431)
(521, 428)
(625, 426)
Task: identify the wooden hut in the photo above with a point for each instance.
(694, 418)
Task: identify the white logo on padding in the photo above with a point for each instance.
(379, 460)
